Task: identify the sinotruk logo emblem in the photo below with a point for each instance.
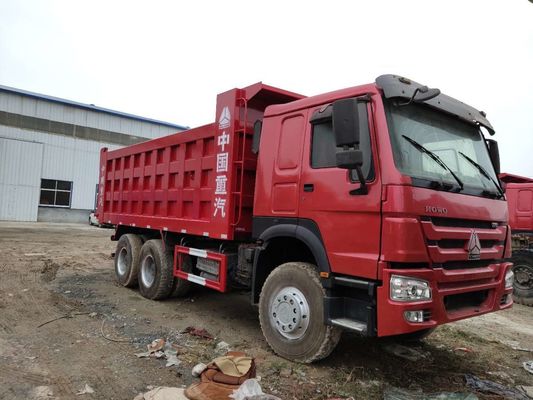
(474, 247)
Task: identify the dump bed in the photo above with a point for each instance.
(198, 182)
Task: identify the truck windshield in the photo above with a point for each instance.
(440, 151)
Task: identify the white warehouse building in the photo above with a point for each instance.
(50, 151)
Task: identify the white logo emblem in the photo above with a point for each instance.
(225, 118)
(474, 247)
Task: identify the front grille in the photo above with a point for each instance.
(455, 302)
(427, 315)
(461, 223)
(461, 244)
(464, 264)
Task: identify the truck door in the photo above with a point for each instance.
(349, 223)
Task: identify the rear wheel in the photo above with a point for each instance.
(127, 258)
(156, 278)
(523, 280)
(291, 312)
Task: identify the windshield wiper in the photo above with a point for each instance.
(483, 172)
(435, 158)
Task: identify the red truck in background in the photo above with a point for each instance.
(374, 209)
(519, 193)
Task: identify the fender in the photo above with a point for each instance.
(306, 230)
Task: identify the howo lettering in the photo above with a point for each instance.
(351, 210)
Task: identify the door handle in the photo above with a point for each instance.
(309, 187)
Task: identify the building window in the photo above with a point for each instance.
(55, 193)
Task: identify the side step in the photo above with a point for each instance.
(350, 324)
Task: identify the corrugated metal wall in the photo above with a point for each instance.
(20, 179)
(28, 155)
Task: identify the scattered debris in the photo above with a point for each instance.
(486, 386)
(67, 292)
(42, 393)
(86, 390)
(162, 393)
(200, 332)
(251, 390)
(464, 349)
(402, 351)
(109, 338)
(513, 344)
(93, 314)
(71, 315)
(198, 369)
(222, 347)
(223, 376)
(49, 270)
(527, 390)
(393, 393)
(160, 348)
(502, 375)
(156, 345)
(528, 366)
(285, 372)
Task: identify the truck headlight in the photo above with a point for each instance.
(404, 288)
(509, 279)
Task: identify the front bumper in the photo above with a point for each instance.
(456, 294)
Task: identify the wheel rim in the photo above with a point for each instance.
(289, 313)
(148, 271)
(122, 262)
(523, 277)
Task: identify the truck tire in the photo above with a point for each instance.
(291, 313)
(182, 287)
(156, 277)
(414, 336)
(127, 258)
(523, 280)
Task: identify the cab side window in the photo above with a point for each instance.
(323, 146)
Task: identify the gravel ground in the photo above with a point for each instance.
(65, 323)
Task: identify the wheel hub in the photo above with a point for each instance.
(122, 262)
(523, 276)
(148, 271)
(289, 313)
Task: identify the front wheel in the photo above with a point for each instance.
(291, 313)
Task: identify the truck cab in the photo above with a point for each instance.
(409, 236)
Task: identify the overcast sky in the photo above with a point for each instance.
(168, 59)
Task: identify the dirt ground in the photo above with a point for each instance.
(65, 323)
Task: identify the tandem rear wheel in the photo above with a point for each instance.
(147, 263)
(291, 313)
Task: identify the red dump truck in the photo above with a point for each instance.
(519, 193)
(373, 209)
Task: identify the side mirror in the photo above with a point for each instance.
(346, 122)
(494, 153)
(349, 159)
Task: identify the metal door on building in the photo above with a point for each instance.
(20, 179)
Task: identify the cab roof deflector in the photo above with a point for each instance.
(395, 86)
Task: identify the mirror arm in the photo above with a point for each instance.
(363, 189)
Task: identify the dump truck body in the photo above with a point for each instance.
(373, 209)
